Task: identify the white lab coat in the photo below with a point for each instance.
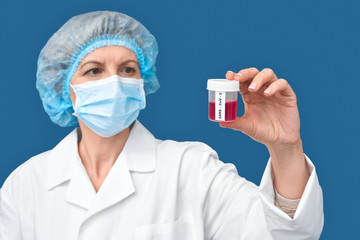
(155, 190)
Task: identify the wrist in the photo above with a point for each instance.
(286, 152)
(286, 155)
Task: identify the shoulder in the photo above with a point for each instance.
(33, 172)
(25, 173)
(195, 167)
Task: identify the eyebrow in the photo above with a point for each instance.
(101, 63)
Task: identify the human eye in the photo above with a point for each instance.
(93, 72)
(129, 70)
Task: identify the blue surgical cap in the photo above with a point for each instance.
(79, 36)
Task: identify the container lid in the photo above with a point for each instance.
(222, 85)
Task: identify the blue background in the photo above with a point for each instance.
(312, 44)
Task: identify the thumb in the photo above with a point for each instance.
(240, 124)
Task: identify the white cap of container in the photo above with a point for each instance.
(223, 85)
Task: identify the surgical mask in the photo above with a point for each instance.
(108, 106)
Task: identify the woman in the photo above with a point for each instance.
(111, 179)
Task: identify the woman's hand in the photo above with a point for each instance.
(272, 118)
(271, 114)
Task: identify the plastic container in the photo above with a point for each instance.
(222, 99)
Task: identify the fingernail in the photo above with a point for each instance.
(267, 91)
(230, 71)
(239, 74)
(253, 85)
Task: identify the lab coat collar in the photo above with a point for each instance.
(139, 153)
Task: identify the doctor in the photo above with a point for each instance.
(111, 179)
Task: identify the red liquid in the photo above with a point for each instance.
(230, 111)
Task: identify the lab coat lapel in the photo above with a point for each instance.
(117, 186)
(65, 164)
(138, 155)
(81, 192)
(62, 162)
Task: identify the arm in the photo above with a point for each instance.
(308, 220)
(235, 208)
(271, 117)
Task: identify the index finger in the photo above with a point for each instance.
(243, 75)
(247, 74)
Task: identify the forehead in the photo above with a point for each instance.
(110, 53)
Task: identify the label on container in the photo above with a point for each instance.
(220, 106)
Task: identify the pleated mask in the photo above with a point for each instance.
(108, 106)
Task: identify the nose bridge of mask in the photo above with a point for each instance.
(114, 78)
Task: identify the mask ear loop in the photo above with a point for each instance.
(74, 107)
(144, 96)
